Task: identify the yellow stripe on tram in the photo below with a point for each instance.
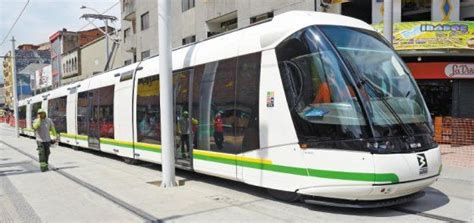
(230, 156)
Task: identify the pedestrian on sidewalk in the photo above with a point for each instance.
(43, 126)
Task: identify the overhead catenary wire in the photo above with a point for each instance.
(14, 23)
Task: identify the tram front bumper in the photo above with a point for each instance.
(384, 194)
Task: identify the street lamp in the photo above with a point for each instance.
(104, 18)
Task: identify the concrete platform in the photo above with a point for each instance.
(89, 186)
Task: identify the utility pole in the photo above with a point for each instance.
(107, 40)
(15, 96)
(388, 20)
(166, 94)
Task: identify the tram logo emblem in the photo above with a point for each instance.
(422, 163)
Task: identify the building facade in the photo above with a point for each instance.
(90, 59)
(196, 20)
(61, 42)
(27, 55)
(7, 78)
(65, 53)
(2, 95)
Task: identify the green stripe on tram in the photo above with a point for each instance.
(129, 145)
(125, 144)
(329, 174)
(218, 158)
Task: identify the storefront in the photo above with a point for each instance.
(440, 56)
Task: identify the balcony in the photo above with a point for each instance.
(128, 10)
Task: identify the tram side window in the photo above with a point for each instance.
(22, 116)
(105, 107)
(95, 112)
(34, 111)
(57, 113)
(217, 107)
(246, 102)
(83, 113)
(148, 110)
(196, 88)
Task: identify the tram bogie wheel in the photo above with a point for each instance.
(284, 195)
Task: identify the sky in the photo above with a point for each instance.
(42, 18)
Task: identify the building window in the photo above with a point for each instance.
(189, 39)
(127, 62)
(222, 24)
(145, 54)
(229, 24)
(187, 4)
(145, 19)
(126, 34)
(261, 17)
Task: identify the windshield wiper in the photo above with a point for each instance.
(382, 96)
(298, 94)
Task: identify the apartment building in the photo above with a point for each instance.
(196, 20)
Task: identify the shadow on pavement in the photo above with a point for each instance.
(14, 164)
(14, 172)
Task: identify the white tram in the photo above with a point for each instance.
(308, 105)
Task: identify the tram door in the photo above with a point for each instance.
(93, 120)
(182, 89)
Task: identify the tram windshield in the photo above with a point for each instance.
(394, 100)
(322, 102)
(335, 92)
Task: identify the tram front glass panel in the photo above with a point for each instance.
(381, 68)
(346, 87)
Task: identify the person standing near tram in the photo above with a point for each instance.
(42, 126)
(219, 130)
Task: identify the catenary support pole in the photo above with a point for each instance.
(107, 40)
(166, 94)
(15, 94)
(388, 20)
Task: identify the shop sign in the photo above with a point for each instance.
(459, 70)
(432, 35)
(43, 77)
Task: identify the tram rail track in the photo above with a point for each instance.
(426, 215)
(147, 217)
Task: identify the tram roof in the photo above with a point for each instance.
(251, 39)
(255, 38)
(263, 36)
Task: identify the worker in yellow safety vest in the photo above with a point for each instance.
(43, 126)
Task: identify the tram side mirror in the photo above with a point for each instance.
(315, 113)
